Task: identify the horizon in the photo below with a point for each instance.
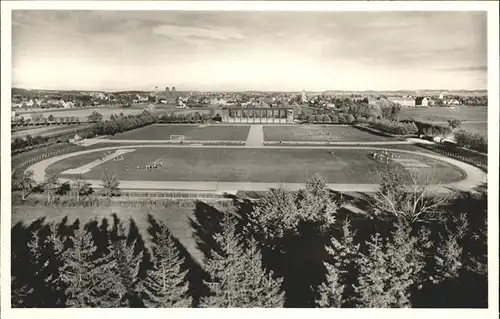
(223, 51)
(263, 91)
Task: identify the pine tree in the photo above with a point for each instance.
(274, 217)
(121, 284)
(344, 252)
(237, 276)
(19, 293)
(315, 203)
(165, 284)
(391, 269)
(259, 288)
(79, 271)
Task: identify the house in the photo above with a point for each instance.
(403, 101)
(421, 101)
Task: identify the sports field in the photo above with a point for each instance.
(349, 166)
(191, 132)
(319, 133)
(443, 114)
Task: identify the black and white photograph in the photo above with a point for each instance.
(220, 158)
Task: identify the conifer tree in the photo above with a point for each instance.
(44, 253)
(275, 216)
(19, 292)
(79, 271)
(315, 203)
(391, 269)
(259, 288)
(120, 282)
(337, 291)
(165, 285)
(237, 276)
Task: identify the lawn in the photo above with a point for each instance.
(191, 132)
(443, 114)
(319, 133)
(250, 165)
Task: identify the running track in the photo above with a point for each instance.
(474, 176)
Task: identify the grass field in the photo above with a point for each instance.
(475, 127)
(443, 114)
(191, 132)
(250, 165)
(319, 133)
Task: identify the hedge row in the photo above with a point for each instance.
(430, 129)
(127, 199)
(394, 127)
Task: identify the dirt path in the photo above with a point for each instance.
(474, 176)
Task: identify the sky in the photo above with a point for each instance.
(237, 51)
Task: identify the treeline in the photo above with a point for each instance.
(480, 100)
(292, 249)
(473, 141)
(27, 143)
(394, 127)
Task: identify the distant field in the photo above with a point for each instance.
(250, 165)
(443, 114)
(319, 133)
(476, 127)
(191, 132)
(48, 130)
(106, 112)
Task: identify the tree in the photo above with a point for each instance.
(165, 284)
(454, 123)
(118, 280)
(82, 187)
(341, 269)
(406, 194)
(23, 181)
(50, 184)
(110, 184)
(237, 278)
(95, 117)
(390, 269)
(79, 271)
(275, 216)
(315, 204)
